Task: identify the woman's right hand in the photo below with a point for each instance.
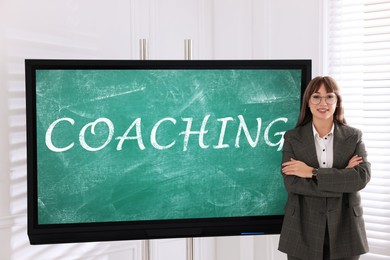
(354, 161)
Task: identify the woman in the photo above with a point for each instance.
(324, 166)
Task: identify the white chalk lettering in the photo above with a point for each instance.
(93, 125)
(220, 144)
(230, 126)
(153, 134)
(201, 133)
(244, 127)
(281, 134)
(138, 136)
(49, 132)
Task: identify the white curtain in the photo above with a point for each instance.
(358, 57)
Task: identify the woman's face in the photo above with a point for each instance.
(323, 104)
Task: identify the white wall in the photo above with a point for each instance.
(97, 29)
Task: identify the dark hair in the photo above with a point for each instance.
(314, 85)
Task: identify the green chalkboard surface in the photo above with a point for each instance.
(156, 144)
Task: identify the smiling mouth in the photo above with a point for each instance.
(323, 110)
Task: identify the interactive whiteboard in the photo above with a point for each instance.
(150, 149)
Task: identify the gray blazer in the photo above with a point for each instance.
(332, 200)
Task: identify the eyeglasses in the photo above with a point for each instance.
(330, 99)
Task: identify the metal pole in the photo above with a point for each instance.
(188, 49)
(143, 49)
(146, 250)
(190, 248)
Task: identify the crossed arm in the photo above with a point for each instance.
(331, 182)
(301, 169)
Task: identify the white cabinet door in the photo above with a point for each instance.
(167, 24)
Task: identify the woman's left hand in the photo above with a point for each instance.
(297, 168)
(354, 161)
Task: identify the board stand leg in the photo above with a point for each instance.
(145, 250)
(190, 248)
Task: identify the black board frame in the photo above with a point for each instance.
(131, 230)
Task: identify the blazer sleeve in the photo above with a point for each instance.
(298, 185)
(351, 179)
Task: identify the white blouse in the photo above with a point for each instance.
(324, 148)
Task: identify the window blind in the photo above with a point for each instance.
(358, 57)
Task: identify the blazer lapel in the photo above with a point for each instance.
(309, 145)
(337, 139)
(342, 146)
